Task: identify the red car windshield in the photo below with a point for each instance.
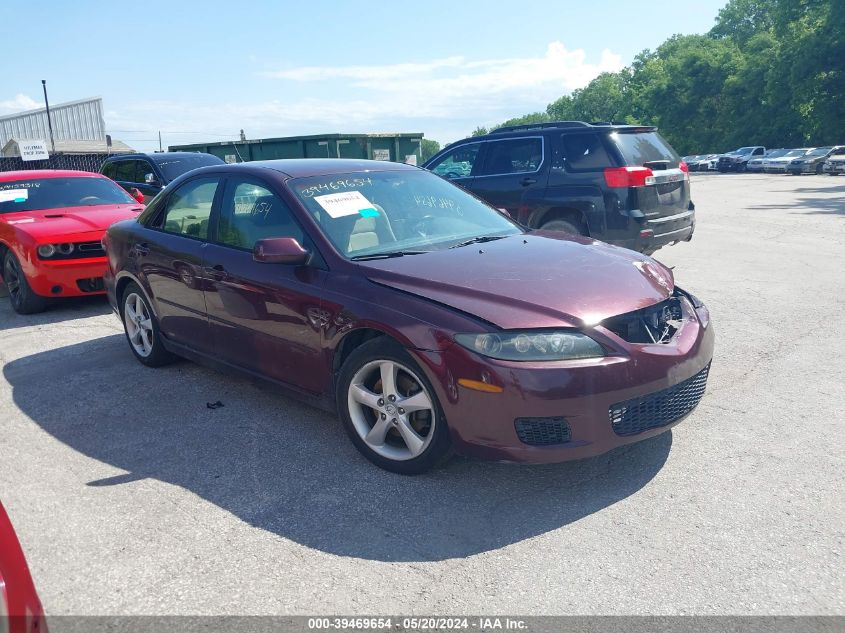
(58, 193)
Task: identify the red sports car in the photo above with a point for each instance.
(20, 608)
(51, 224)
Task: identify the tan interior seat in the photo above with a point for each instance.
(370, 232)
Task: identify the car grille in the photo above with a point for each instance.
(542, 431)
(660, 408)
(94, 284)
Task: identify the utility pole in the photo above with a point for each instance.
(49, 123)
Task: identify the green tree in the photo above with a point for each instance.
(428, 148)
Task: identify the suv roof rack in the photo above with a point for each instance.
(537, 126)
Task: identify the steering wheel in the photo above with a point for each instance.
(423, 225)
(88, 199)
(451, 175)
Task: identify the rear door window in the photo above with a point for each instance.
(513, 156)
(188, 209)
(639, 148)
(580, 152)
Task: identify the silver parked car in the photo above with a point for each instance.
(835, 163)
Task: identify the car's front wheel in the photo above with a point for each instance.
(390, 410)
(142, 329)
(21, 295)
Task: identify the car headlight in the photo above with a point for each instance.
(46, 250)
(532, 345)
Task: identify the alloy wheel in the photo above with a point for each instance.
(391, 410)
(139, 326)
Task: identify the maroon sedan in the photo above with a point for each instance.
(427, 319)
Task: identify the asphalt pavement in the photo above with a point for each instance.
(131, 496)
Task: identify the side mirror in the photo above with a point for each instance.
(150, 179)
(280, 250)
(137, 194)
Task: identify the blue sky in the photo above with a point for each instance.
(201, 71)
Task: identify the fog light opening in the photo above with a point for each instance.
(56, 290)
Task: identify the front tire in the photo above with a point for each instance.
(141, 328)
(390, 410)
(23, 298)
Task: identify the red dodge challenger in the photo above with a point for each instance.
(51, 224)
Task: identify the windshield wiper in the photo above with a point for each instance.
(478, 240)
(386, 255)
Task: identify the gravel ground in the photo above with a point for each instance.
(131, 496)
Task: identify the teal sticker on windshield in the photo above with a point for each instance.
(368, 213)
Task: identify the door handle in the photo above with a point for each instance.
(527, 181)
(141, 249)
(217, 272)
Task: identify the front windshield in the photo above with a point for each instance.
(743, 150)
(795, 152)
(371, 213)
(819, 151)
(33, 194)
(776, 153)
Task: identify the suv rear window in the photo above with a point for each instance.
(639, 148)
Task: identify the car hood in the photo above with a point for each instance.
(70, 221)
(530, 281)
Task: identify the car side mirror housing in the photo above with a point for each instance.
(150, 179)
(280, 250)
(137, 194)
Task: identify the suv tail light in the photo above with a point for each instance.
(683, 167)
(628, 176)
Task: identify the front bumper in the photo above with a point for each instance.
(67, 278)
(801, 169)
(584, 393)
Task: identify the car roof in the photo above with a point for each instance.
(302, 167)
(156, 157)
(6, 176)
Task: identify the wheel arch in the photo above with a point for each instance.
(124, 279)
(351, 341)
(571, 214)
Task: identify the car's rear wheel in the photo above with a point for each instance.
(564, 226)
(142, 329)
(21, 295)
(390, 410)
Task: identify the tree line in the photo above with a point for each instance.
(770, 72)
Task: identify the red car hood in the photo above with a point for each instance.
(531, 281)
(50, 223)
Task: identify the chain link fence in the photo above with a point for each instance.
(79, 162)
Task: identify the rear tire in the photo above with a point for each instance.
(563, 226)
(23, 298)
(377, 379)
(141, 328)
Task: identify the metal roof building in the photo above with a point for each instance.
(74, 120)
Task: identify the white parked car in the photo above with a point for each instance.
(756, 164)
(835, 163)
(778, 165)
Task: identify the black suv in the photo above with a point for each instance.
(622, 184)
(150, 173)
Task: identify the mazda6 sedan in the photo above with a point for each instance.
(428, 320)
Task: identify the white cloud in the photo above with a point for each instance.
(19, 103)
(444, 98)
(559, 69)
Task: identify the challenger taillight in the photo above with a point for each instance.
(628, 176)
